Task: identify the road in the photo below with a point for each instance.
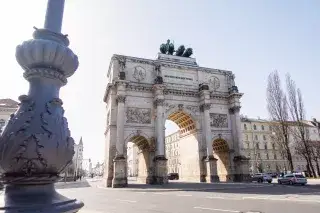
(196, 198)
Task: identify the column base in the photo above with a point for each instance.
(211, 165)
(161, 174)
(37, 198)
(120, 179)
(242, 169)
(242, 178)
(212, 179)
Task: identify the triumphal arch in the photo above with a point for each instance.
(142, 94)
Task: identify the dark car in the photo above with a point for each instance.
(261, 177)
(173, 176)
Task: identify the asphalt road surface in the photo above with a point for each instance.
(195, 198)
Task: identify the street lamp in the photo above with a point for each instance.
(36, 145)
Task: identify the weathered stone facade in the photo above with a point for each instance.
(141, 94)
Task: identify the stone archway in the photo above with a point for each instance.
(141, 158)
(221, 152)
(182, 150)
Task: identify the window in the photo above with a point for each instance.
(248, 145)
(256, 137)
(267, 156)
(254, 127)
(264, 137)
(245, 126)
(247, 138)
(262, 127)
(257, 145)
(259, 155)
(265, 146)
(275, 156)
(273, 146)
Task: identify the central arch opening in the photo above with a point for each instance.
(138, 159)
(181, 145)
(221, 152)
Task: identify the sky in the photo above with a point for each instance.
(251, 38)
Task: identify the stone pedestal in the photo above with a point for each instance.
(241, 164)
(161, 173)
(211, 165)
(119, 173)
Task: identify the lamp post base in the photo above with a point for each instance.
(37, 198)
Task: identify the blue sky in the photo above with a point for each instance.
(251, 38)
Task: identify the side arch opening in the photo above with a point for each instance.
(138, 159)
(221, 151)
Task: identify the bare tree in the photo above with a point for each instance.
(300, 129)
(278, 110)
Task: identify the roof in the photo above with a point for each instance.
(246, 119)
(8, 103)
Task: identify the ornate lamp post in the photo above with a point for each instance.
(35, 146)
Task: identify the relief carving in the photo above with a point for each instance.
(159, 102)
(214, 82)
(139, 73)
(31, 147)
(194, 109)
(121, 99)
(218, 120)
(169, 107)
(138, 115)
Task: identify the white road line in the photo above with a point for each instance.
(223, 198)
(141, 192)
(159, 193)
(219, 210)
(280, 199)
(129, 201)
(182, 195)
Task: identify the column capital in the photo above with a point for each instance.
(205, 106)
(235, 109)
(121, 99)
(158, 102)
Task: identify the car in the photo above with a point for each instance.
(261, 177)
(173, 176)
(293, 179)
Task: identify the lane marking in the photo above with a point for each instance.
(159, 193)
(220, 210)
(280, 199)
(182, 195)
(141, 192)
(129, 201)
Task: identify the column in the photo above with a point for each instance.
(240, 162)
(159, 103)
(119, 162)
(160, 159)
(210, 161)
(120, 125)
(38, 128)
(54, 15)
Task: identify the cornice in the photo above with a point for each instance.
(164, 64)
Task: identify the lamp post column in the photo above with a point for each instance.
(36, 145)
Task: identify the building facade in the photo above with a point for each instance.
(132, 159)
(77, 161)
(204, 102)
(173, 152)
(7, 107)
(258, 145)
(264, 152)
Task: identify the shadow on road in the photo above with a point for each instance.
(75, 184)
(240, 188)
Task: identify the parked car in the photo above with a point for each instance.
(261, 177)
(293, 179)
(173, 176)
